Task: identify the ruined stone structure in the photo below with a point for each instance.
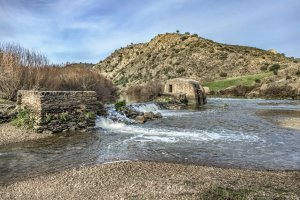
(192, 89)
(58, 111)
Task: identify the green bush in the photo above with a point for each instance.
(64, 116)
(223, 74)
(257, 80)
(49, 117)
(24, 118)
(184, 38)
(120, 104)
(274, 67)
(176, 50)
(180, 70)
(177, 63)
(90, 115)
(264, 68)
(288, 77)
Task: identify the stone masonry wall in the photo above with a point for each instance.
(59, 111)
(191, 88)
(31, 99)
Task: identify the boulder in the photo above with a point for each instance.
(157, 115)
(149, 116)
(130, 113)
(207, 90)
(140, 119)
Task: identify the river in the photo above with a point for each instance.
(223, 133)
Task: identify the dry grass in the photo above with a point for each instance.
(145, 92)
(22, 69)
(149, 180)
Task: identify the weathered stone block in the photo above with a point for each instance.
(60, 110)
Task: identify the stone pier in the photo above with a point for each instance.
(59, 111)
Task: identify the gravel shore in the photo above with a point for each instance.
(151, 180)
(12, 134)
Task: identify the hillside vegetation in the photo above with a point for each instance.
(175, 55)
(248, 80)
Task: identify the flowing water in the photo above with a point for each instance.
(223, 133)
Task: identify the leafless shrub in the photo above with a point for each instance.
(145, 92)
(23, 69)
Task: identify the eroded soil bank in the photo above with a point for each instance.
(151, 180)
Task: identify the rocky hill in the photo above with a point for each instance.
(174, 55)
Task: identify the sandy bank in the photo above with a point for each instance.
(293, 123)
(282, 118)
(149, 180)
(12, 134)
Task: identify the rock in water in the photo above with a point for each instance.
(157, 115)
(140, 119)
(130, 113)
(149, 115)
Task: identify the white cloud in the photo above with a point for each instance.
(95, 28)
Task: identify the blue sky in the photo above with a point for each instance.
(89, 30)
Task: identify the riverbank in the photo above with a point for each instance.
(150, 180)
(282, 118)
(293, 123)
(12, 134)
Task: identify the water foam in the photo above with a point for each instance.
(144, 134)
(155, 108)
(145, 107)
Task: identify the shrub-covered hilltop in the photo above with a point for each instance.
(226, 69)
